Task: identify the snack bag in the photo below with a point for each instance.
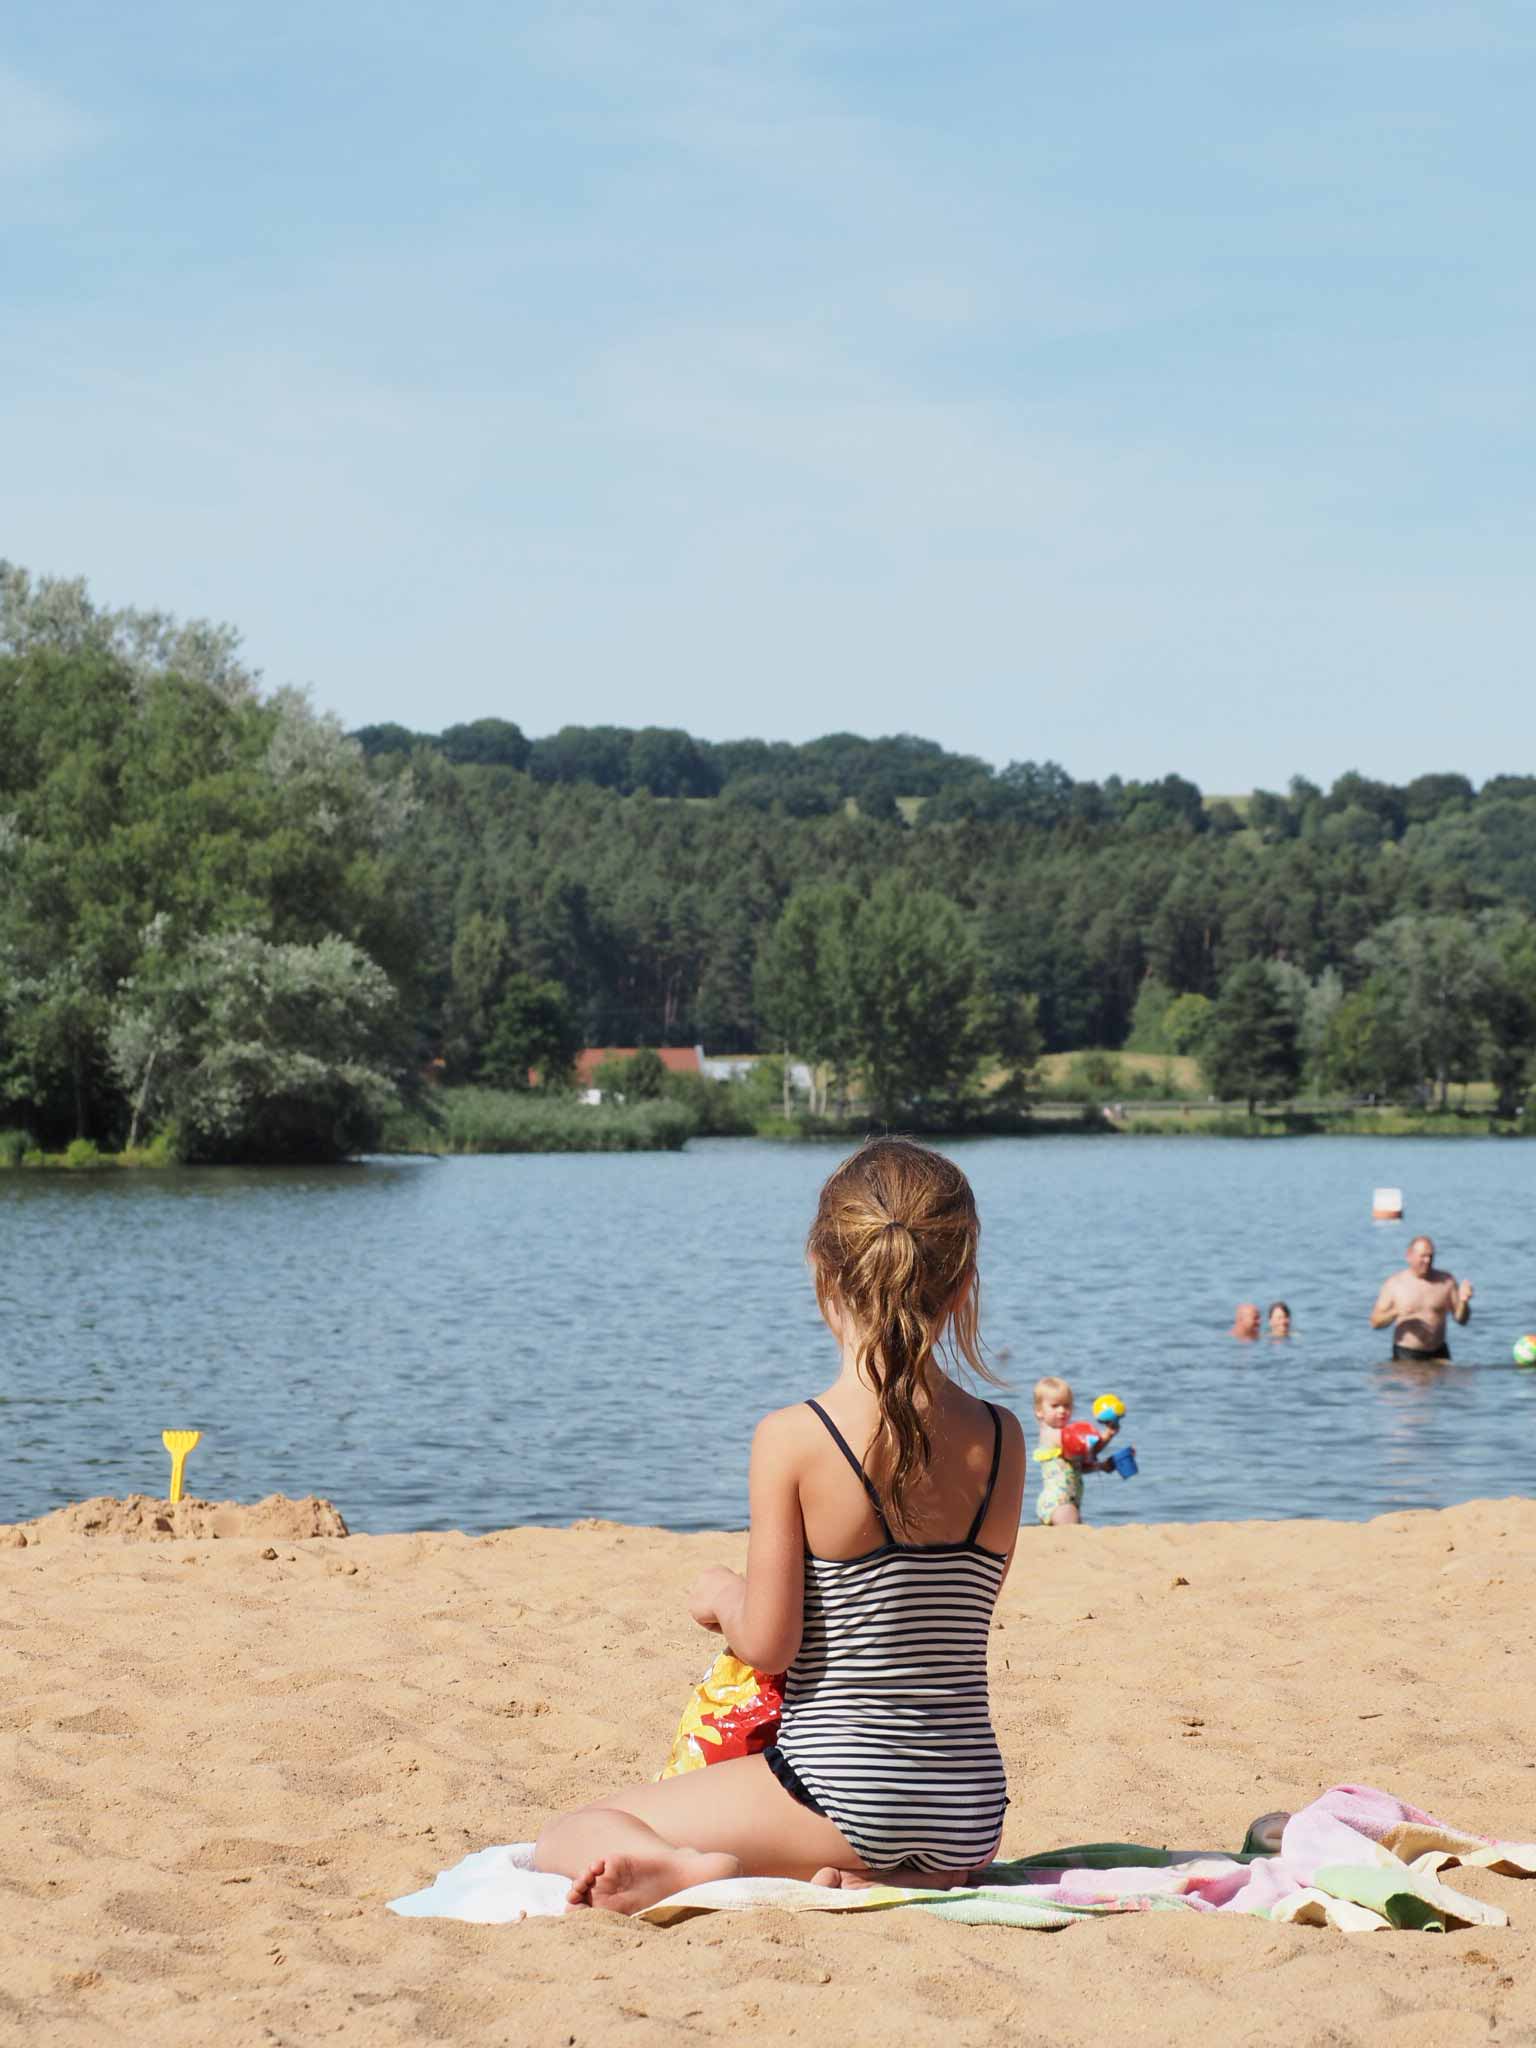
(733, 1711)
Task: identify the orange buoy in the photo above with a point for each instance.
(1387, 1205)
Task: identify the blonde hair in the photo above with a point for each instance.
(1051, 1389)
(893, 1244)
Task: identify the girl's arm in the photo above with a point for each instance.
(1013, 1479)
(761, 1615)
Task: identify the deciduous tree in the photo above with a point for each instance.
(260, 1051)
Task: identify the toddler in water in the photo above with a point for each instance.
(1061, 1479)
(884, 1516)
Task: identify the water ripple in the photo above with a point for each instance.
(490, 1341)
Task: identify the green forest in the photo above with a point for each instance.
(230, 930)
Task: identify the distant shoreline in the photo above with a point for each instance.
(519, 1124)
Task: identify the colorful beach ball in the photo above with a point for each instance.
(1525, 1350)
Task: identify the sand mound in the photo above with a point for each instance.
(139, 1518)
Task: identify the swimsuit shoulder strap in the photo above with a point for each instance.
(864, 1479)
(997, 1457)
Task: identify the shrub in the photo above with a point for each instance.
(14, 1147)
(163, 1149)
(81, 1156)
(634, 1077)
(1100, 1070)
(413, 1127)
(719, 1109)
(1090, 1077)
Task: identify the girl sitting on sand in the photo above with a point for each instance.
(872, 1581)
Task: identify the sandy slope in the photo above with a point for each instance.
(218, 1757)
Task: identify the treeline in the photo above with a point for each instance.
(806, 781)
(1431, 1000)
(224, 917)
(874, 776)
(660, 922)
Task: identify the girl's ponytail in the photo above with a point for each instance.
(893, 1245)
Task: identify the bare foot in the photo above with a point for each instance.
(628, 1884)
(902, 1877)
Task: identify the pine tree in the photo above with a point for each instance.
(1250, 1048)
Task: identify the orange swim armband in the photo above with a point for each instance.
(733, 1711)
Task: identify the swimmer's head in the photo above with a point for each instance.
(1279, 1319)
(1053, 1401)
(1421, 1255)
(1245, 1323)
(893, 1254)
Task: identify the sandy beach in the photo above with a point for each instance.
(223, 1752)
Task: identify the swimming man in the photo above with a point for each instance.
(1417, 1301)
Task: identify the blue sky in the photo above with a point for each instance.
(1143, 388)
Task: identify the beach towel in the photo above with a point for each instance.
(1355, 1859)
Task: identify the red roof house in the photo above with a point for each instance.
(677, 1059)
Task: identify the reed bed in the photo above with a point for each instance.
(470, 1120)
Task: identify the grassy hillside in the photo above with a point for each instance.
(1129, 1073)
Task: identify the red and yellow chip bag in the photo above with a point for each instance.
(733, 1711)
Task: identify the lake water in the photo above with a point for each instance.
(478, 1342)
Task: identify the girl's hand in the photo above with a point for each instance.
(709, 1591)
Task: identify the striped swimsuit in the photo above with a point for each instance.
(886, 1729)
